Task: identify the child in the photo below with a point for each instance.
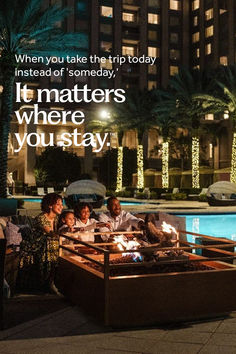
(66, 222)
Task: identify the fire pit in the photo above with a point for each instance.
(146, 284)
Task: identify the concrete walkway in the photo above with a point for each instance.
(69, 330)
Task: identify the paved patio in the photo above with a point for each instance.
(70, 330)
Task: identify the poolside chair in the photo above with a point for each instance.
(203, 191)
(174, 191)
(40, 191)
(50, 190)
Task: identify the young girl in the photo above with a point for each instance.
(84, 223)
(66, 222)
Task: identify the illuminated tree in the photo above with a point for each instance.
(26, 28)
(185, 86)
(224, 101)
(136, 114)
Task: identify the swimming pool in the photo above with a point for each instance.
(218, 225)
(38, 200)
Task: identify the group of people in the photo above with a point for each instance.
(41, 250)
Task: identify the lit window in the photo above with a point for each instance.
(209, 116)
(174, 5)
(153, 52)
(174, 70)
(226, 115)
(223, 60)
(152, 85)
(107, 65)
(209, 31)
(208, 14)
(152, 35)
(174, 54)
(152, 69)
(195, 20)
(195, 5)
(30, 94)
(128, 17)
(208, 48)
(195, 37)
(174, 38)
(153, 19)
(210, 151)
(196, 67)
(106, 46)
(106, 11)
(198, 52)
(128, 51)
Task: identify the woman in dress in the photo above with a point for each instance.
(40, 250)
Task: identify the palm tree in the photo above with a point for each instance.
(165, 111)
(107, 126)
(185, 86)
(26, 28)
(224, 100)
(136, 114)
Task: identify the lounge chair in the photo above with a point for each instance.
(174, 191)
(50, 190)
(40, 191)
(203, 191)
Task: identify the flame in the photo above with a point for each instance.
(168, 228)
(124, 245)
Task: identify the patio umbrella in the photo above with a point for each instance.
(86, 186)
(222, 187)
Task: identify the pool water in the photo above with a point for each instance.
(218, 225)
(38, 200)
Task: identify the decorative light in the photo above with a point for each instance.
(119, 169)
(165, 164)
(104, 114)
(140, 182)
(233, 161)
(195, 162)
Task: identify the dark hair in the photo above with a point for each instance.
(63, 216)
(78, 207)
(48, 200)
(110, 199)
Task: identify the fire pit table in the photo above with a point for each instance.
(165, 285)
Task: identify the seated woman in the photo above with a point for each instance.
(84, 223)
(41, 248)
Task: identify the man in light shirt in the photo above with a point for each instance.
(118, 219)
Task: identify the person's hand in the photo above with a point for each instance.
(103, 224)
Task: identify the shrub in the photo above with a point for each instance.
(202, 198)
(141, 195)
(124, 194)
(180, 196)
(153, 195)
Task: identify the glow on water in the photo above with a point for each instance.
(218, 225)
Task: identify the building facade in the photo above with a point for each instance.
(195, 34)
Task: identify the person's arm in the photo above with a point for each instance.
(130, 219)
(104, 219)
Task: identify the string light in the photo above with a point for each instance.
(233, 161)
(119, 169)
(195, 163)
(140, 182)
(165, 164)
